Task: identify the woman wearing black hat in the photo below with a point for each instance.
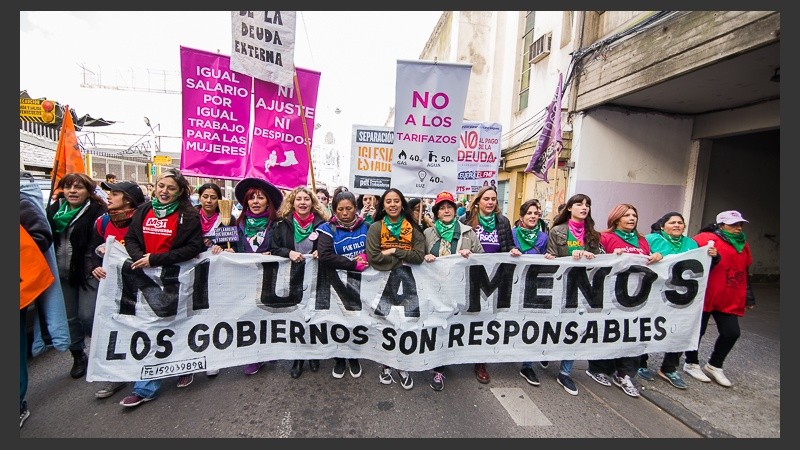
(260, 201)
(123, 199)
(295, 235)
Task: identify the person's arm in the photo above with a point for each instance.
(278, 244)
(328, 256)
(134, 239)
(32, 218)
(417, 253)
(374, 254)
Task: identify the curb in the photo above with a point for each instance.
(682, 414)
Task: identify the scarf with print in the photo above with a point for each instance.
(302, 227)
(527, 237)
(163, 210)
(393, 227)
(255, 223)
(445, 230)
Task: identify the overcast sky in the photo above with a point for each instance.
(355, 52)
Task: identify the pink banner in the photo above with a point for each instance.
(280, 147)
(216, 116)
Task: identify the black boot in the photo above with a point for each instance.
(313, 364)
(297, 368)
(79, 364)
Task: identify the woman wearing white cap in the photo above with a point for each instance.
(728, 291)
(448, 237)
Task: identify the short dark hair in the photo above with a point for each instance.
(110, 176)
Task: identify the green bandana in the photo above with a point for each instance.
(445, 230)
(301, 233)
(487, 222)
(527, 238)
(675, 242)
(64, 216)
(161, 210)
(631, 238)
(255, 225)
(394, 228)
(736, 240)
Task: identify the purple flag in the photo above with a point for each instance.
(550, 141)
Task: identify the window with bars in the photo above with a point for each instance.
(525, 75)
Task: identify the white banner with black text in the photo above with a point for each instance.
(227, 310)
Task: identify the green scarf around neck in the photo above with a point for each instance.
(527, 238)
(161, 210)
(64, 215)
(445, 230)
(736, 240)
(301, 233)
(487, 222)
(631, 238)
(393, 227)
(675, 242)
(255, 225)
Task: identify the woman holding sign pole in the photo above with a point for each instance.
(163, 232)
(393, 240)
(494, 234)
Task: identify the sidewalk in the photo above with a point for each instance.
(751, 407)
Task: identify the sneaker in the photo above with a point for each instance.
(645, 374)
(133, 400)
(600, 378)
(110, 389)
(385, 376)
(626, 385)
(212, 372)
(355, 367)
(529, 375)
(405, 380)
(185, 380)
(696, 372)
(252, 369)
(338, 368)
(544, 364)
(24, 413)
(566, 382)
(674, 378)
(718, 375)
(437, 383)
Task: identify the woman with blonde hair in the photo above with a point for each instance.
(494, 234)
(294, 235)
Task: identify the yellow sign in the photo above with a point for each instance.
(162, 160)
(37, 110)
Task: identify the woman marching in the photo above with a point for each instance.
(494, 234)
(728, 292)
(72, 217)
(260, 201)
(123, 199)
(392, 240)
(622, 237)
(666, 237)
(163, 232)
(573, 236)
(294, 235)
(448, 237)
(341, 245)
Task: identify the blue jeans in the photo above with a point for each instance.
(80, 304)
(147, 388)
(566, 366)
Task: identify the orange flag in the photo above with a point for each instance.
(68, 155)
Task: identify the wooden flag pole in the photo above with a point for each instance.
(305, 131)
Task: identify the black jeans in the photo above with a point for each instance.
(626, 365)
(729, 332)
(668, 364)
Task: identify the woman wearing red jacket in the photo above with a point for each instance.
(728, 292)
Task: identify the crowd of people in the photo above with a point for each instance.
(348, 232)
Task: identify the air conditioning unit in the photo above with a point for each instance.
(540, 48)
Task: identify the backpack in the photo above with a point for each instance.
(101, 223)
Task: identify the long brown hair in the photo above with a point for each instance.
(473, 210)
(591, 235)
